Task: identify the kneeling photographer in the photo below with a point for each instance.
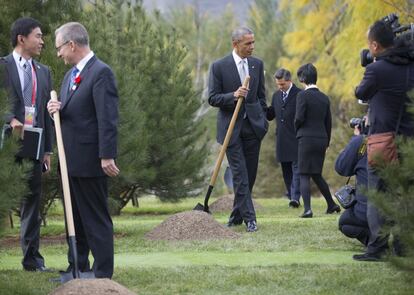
(387, 80)
(353, 161)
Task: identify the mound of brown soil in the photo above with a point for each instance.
(191, 225)
(92, 287)
(225, 204)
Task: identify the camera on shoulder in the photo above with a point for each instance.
(403, 35)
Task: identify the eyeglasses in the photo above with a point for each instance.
(60, 47)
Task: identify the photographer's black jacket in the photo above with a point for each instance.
(385, 87)
(350, 162)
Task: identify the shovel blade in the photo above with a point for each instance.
(200, 207)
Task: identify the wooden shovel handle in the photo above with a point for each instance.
(63, 169)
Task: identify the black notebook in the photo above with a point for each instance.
(32, 142)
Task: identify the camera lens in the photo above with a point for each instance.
(354, 122)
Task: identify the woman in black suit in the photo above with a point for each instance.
(313, 130)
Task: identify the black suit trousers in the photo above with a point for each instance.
(243, 157)
(30, 221)
(353, 227)
(93, 224)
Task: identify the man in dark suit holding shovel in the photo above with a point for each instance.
(225, 86)
(89, 116)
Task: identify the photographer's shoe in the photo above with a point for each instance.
(367, 257)
(333, 209)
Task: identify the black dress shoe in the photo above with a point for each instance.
(294, 204)
(333, 209)
(251, 226)
(367, 257)
(307, 214)
(38, 269)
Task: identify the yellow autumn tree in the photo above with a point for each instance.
(331, 34)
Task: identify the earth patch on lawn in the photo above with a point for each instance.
(50, 240)
(225, 204)
(10, 242)
(92, 287)
(191, 225)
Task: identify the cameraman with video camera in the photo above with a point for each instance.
(384, 86)
(353, 161)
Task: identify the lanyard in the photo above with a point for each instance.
(34, 85)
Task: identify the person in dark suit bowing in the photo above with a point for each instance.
(313, 129)
(283, 108)
(89, 113)
(384, 86)
(225, 86)
(28, 84)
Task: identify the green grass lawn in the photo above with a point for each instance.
(288, 255)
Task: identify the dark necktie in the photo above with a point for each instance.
(284, 96)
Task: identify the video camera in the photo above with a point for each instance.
(404, 35)
(360, 123)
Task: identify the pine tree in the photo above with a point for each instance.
(13, 176)
(160, 151)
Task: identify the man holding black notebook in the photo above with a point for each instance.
(28, 85)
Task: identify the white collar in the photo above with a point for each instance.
(237, 58)
(311, 86)
(20, 60)
(84, 61)
(287, 91)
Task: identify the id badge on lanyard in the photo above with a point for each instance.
(30, 112)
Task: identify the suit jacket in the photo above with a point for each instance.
(223, 81)
(313, 114)
(284, 112)
(385, 87)
(89, 116)
(11, 81)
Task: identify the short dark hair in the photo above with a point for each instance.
(22, 26)
(283, 74)
(307, 74)
(381, 33)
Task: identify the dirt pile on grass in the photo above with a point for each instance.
(191, 225)
(92, 287)
(225, 204)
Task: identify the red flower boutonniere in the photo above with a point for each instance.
(78, 79)
(76, 83)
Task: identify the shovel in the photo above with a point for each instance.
(75, 273)
(223, 149)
